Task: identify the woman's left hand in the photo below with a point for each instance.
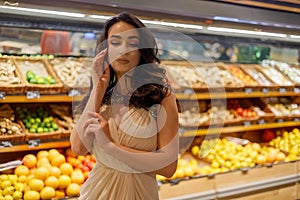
(98, 127)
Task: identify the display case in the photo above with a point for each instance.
(227, 52)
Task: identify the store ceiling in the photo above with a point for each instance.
(282, 5)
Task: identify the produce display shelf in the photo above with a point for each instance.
(41, 99)
(233, 129)
(254, 94)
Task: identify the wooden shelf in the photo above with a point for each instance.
(233, 129)
(43, 145)
(205, 95)
(42, 99)
(230, 95)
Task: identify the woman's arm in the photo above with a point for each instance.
(81, 142)
(164, 160)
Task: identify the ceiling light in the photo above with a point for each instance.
(295, 36)
(100, 17)
(51, 12)
(172, 24)
(241, 31)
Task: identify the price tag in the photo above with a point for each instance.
(2, 95)
(74, 92)
(248, 90)
(261, 121)
(296, 120)
(297, 90)
(247, 123)
(265, 90)
(282, 90)
(181, 130)
(279, 120)
(34, 143)
(5, 144)
(188, 91)
(33, 95)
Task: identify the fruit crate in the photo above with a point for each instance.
(275, 75)
(69, 70)
(25, 64)
(47, 131)
(63, 113)
(10, 123)
(184, 75)
(237, 71)
(12, 88)
(255, 73)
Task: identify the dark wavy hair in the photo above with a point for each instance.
(149, 72)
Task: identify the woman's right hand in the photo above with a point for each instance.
(100, 71)
(100, 78)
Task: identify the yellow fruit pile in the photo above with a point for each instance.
(44, 176)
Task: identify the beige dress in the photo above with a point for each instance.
(112, 179)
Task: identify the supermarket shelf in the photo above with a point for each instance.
(182, 96)
(228, 95)
(43, 145)
(41, 99)
(233, 129)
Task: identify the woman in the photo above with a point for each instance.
(130, 119)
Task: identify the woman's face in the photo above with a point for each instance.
(123, 48)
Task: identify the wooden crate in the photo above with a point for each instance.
(42, 88)
(13, 88)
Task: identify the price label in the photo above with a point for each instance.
(282, 90)
(247, 123)
(34, 143)
(4, 144)
(74, 92)
(265, 90)
(296, 120)
(33, 95)
(2, 95)
(297, 90)
(248, 90)
(188, 91)
(261, 121)
(181, 130)
(279, 120)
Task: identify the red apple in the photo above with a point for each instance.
(268, 135)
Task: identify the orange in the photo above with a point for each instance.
(42, 154)
(77, 177)
(66, 168)
(31, 195)
(22, 170)
(47, 193)
(42, 162)
(52, 153)
(64, 181)
(59, 194)
(42, 173)
(52, 181)
(36, 184)
(58, 160)
(55, 171)
(29, 160)
(73, 189)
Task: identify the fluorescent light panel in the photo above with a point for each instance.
(51, 12)
(172, 24)
(295, 36)
(241, 31)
